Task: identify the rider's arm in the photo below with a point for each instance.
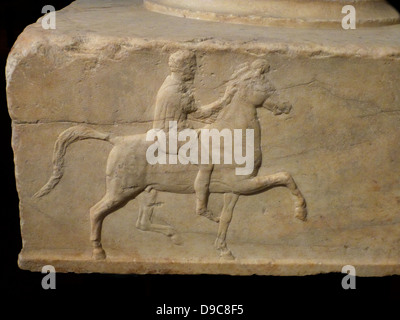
(211, 109)
(207, 111)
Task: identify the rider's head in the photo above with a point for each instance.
(183, 62)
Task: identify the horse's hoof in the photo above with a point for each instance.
(99, 254)
(301, 213)
(227, 255)
(176, 240)
(209, 215)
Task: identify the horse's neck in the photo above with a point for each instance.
(238, 112)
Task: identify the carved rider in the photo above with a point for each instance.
(175, 100)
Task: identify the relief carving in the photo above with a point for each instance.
(129, 172)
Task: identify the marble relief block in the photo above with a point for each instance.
(323, 106)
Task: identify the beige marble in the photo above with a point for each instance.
(333, 127)
(286, 13)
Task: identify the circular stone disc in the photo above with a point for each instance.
(286, 13)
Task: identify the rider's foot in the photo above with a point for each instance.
(208, 214)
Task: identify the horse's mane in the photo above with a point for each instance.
(244, 73)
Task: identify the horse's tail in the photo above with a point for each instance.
(67, 137)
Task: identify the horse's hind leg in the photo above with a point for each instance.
(144, 222)
(108, 204)
(230, 200)
(97, 214)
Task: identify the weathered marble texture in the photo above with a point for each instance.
(103, 66)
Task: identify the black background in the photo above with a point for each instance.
(141, 294)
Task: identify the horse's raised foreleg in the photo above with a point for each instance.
(230, 200)
(144, 222)
(284, 179)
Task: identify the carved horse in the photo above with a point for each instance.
(128, 173)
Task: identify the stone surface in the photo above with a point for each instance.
(103, 67)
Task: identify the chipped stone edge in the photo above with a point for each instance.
(32, 262)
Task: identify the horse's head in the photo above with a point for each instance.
(251, 83)
(260, 89)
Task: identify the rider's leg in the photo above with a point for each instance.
(201, 187)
